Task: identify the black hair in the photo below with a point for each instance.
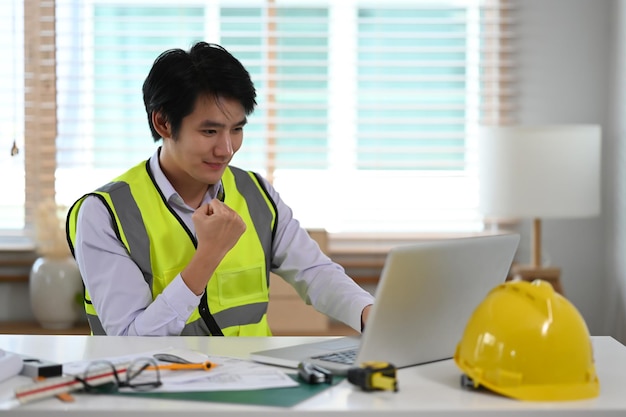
(177, 78)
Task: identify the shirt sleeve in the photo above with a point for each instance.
(318, 280)
(118, 291)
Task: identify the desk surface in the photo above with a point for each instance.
(426, 390)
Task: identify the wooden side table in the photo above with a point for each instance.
(530, 273)
(28, 327)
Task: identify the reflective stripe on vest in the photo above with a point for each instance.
(235, 311)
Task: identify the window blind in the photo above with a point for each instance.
(12, 116)
(365, 114)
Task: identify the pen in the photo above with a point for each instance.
(183, 366)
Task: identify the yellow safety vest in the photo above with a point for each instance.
(235, 301)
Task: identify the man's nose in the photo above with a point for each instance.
(224, 145)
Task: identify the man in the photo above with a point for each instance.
(183, 244)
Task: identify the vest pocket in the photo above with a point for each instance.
(242, 286)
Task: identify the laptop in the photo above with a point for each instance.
(424, 298)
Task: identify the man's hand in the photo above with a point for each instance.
(217, 226)
(218, 229)
(364, 315)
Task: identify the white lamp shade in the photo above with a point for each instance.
(539, 171)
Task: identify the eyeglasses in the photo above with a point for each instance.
(103, 376)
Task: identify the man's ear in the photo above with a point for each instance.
(161, 125)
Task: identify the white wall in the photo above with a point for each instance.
(615, 184)
(573, 70)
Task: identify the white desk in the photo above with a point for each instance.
(428, 390)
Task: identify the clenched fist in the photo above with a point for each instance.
(218, 228)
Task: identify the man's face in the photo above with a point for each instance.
(207, 141)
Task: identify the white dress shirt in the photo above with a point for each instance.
(124, 302)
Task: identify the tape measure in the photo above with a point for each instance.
(374, 376)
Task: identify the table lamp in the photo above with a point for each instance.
(539, 172)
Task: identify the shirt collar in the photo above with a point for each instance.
(170, 194)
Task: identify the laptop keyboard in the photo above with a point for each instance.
(346, 357)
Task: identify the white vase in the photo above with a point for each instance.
(55, 288)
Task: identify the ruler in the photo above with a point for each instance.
(51, 387)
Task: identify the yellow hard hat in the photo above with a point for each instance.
(528, 342)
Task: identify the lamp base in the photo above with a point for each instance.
(530, 273)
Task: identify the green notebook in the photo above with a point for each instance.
(275, 397)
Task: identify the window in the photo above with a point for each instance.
(365, 116)
(12, 119)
